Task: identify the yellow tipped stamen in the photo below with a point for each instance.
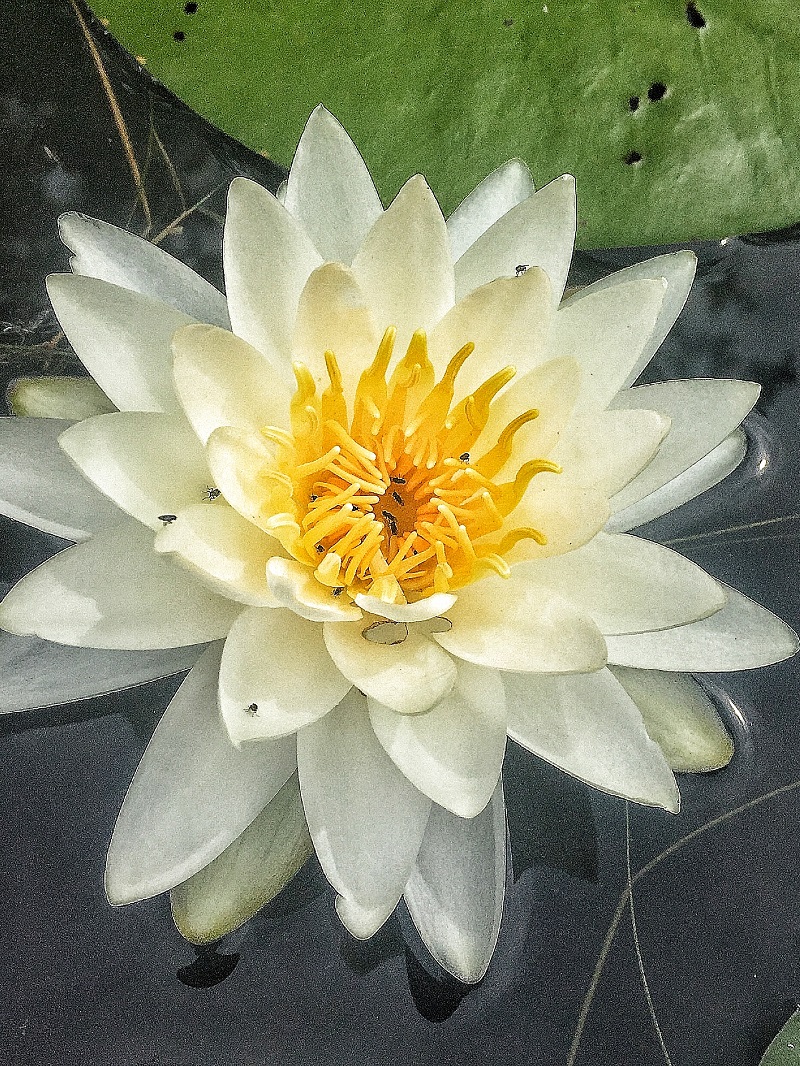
(496, 458)
(509, 495)
(372, 392)
(334, 405)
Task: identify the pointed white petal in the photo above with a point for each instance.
(330, 190)
(58, 397)
(455, 892)
(606, 449)
(420, 611)
(237, 459)
(589, 726)
(409, 677)
(739, 637)
(453, 752)
(366, 820)
(121, 258)
(294, 586)
(193, 793)
(39, 485)
(360, 921)
(148, 464)
(568, 515)
(123, 339)
(538, 232)
(114, 591)
(679, 717)
(249, 873)
(494, 197)
(276, 676)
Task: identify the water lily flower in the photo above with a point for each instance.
(388, 480)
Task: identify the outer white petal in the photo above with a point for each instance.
(679, 717)
(516, 624)
(39, 485)
(366, 820)
(268, 257)
(739, 637)
(708, 472)
(249, 873)
(293, 585)
(703, 413)
(454, 752)
(123, 339)
(677, 269)
(404, 266)
(420, 611)
(121, 258)
(628, 585)
(569, 515)
(222, 381)
(606, 449)
(455, 893)
(494, 197)
(39, 674)
(58, 397)
(114, 591)
(148, 464)
(538, 232)
(276, 676)
(192, 794)
(330, 190)
(409, 677)
(226, 553)
(589, 726)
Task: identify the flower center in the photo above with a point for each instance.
(391, 502)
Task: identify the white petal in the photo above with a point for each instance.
(39, 674)
(58, 397)
(113, 591)
(268, 258)
(677, 269)
(330, 190)
(494, 197)
(276, 676)
(679, 717)
(569, 515)
(193, 793)
(122, 258)
(249, 873)
(538, 232)
(409, 677)
(453, 752)
(420, 611)
(222, 381)
(294, 586)
(607, 332)
(148, 464)
(606, 449)
(455, 892)
(227, 553)
(739, 637)
(404, 265)
(589, 726)
(515, 624)
(237, 459)
(703, 413)
(123, 339)
(628, 585)
(708, 472)
(39, 485)
(366, 820)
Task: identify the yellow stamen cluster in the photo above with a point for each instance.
(390, 502)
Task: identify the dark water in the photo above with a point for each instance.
(718, 920)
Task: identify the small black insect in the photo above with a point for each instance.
(398, 480)
(464, 457)
(212, 493)
(520, 269)
(320, 548)
(338, 591)
(167, 518)
(312, 499)
(397, 498)
(391, 521)
(252, 709)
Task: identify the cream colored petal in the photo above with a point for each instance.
(409, 677)
(539, 232)
(268, 257)
(494, 197)
(237, 459)
(330, 190)
(293, 585)
(420, 611)
(148, 464)
(588, 725)
(222, 550)
(122, 338)
(566, 514)
(404, 266)
(679, 717)
(606, 449)
(58, 397)
(453, 752)
(222, 381)
(276, 676)
(114, 591)
(514, 624)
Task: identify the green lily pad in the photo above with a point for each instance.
(785, 1048)
(680, 121)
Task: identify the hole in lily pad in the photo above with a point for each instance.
(508, 22)
(657, 91)
(694, 17)
(179, 36)
(632, 158)
(633, 103)
(190, 8)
